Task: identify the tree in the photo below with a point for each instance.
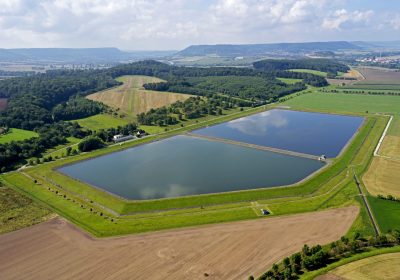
(90, 143)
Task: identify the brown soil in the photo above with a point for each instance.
(58, 250)
(372, 74)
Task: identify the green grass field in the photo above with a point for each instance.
(386, 212)
(289, 81)
(16, 134)
(101, 121)
(315, 72)
(18, 211)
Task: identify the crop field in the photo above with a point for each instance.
(377, 78)
(16, 134)
(3, 104)
(362, 263)
(132, 99)
(383, 177)
(190, 253)
(379, 75)
(386, 212)
(18, 211)
(384, 267)
(101, 121)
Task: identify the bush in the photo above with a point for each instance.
(90, 143)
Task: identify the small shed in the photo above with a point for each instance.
(265, 212)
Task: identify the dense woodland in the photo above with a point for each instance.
(323, 65)
(44, 102)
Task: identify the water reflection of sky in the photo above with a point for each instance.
(304, 132)
(182, 165)
(259, 124)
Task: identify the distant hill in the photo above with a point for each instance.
(71, 55)
(372, 45)
(263, 49)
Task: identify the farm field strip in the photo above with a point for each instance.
(132, 99)
(211, 249)
(383, 266)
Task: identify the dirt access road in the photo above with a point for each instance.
(58, 250)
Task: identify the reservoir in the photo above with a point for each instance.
(184, 165)
(303, 132)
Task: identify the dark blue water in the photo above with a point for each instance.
(304, 132)
(184, 165)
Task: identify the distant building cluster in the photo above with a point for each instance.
(382, 60)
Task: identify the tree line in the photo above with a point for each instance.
(316, 257)
(191, 108)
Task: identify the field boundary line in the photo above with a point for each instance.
(383, 137)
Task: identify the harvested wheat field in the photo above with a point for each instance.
(381, 267)
(353, 73)
(132, 99)
(58, 250)
(391, 147)
(383, 177)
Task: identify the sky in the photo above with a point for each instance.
(176, 24)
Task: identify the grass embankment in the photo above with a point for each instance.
(16, 134)
(351, 262)
(18, 211)
(331, 188)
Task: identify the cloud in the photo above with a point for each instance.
(174, 24)
(394, 22)
(343, 17)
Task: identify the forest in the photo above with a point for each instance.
(320, 64)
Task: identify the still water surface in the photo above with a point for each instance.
(303, 132)
(184, 165)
